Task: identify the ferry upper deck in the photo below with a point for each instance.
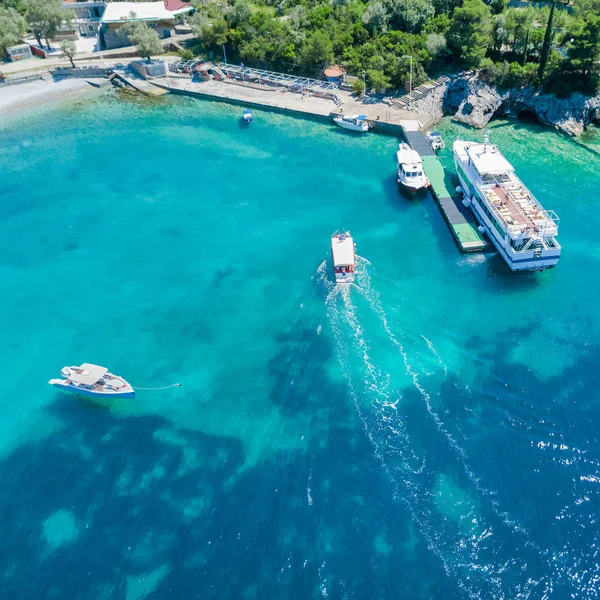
(513, 204)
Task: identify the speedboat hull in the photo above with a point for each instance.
(59, 384)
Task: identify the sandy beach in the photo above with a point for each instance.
(41, 91)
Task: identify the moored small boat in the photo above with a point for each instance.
(436, 141)
(344, 257)
(410, 169)
(92, 381)
(352, 122)
(247, 116)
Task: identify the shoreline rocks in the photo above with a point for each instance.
(473, 102)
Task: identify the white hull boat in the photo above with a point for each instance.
(92, 381)
(247, 116)
(523, 232)
(411, 175)
(352, 122)
(343, 256)
(436, 141)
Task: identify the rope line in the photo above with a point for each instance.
(166, 387)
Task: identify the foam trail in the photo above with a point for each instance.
(375, 305)
(460, 558)
(435, 353)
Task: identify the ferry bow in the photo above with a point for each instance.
(517, 224)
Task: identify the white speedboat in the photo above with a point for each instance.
(352, 122)
(523, 232)
(435, 141)
(92, 381)
(247, 116)
(410, 169)
(344, 257)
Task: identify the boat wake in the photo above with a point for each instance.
(448, 517)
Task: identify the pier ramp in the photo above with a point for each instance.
(458, 217)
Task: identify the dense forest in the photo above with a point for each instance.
(553, 45)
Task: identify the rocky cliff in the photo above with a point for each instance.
(473, 102)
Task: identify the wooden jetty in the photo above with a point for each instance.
(457, 215)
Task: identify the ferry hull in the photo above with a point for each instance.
(526, 261)
(90, 393)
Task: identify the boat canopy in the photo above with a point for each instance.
(343, 250)
(361, 118)
(90, 374)
(487, 160)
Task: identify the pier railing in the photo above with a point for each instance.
(271, 77)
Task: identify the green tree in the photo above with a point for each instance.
(144, 37)
(375, 17)
(239, 14)
(358, 87)
(378, 80)
(584, 50)
(198, 21)
(471, 32)
(215, 34)
(411, 15)
(318, 50)
(436, 45)
(12, 27)
(69, 49)
(45, 17)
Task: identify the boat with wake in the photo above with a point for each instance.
(344, 257)
(92, 381)
(411, 175)
(523, 232)
(352, 122)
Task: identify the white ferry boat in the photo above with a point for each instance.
(352, 122)
(522, 231)
(92, 381)
(344, 258)
(410, 169)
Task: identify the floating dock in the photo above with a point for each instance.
(459, 217)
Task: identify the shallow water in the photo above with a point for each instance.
(429, 433)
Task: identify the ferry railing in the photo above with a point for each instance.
(547, 223)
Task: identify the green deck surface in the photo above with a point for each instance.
(437, 176)
(458, 217)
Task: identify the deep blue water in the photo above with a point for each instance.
(431, 433)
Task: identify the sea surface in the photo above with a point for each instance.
(430, 433)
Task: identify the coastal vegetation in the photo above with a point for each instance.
(553, 46)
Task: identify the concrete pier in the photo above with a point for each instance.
(458, 217)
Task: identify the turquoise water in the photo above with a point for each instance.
(431, 433)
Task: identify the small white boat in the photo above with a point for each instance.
(344, 257)
(410, 169)
(247, 115)
(435, 141)
(92, 381)
(352, 122)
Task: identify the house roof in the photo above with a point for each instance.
(118, 12)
